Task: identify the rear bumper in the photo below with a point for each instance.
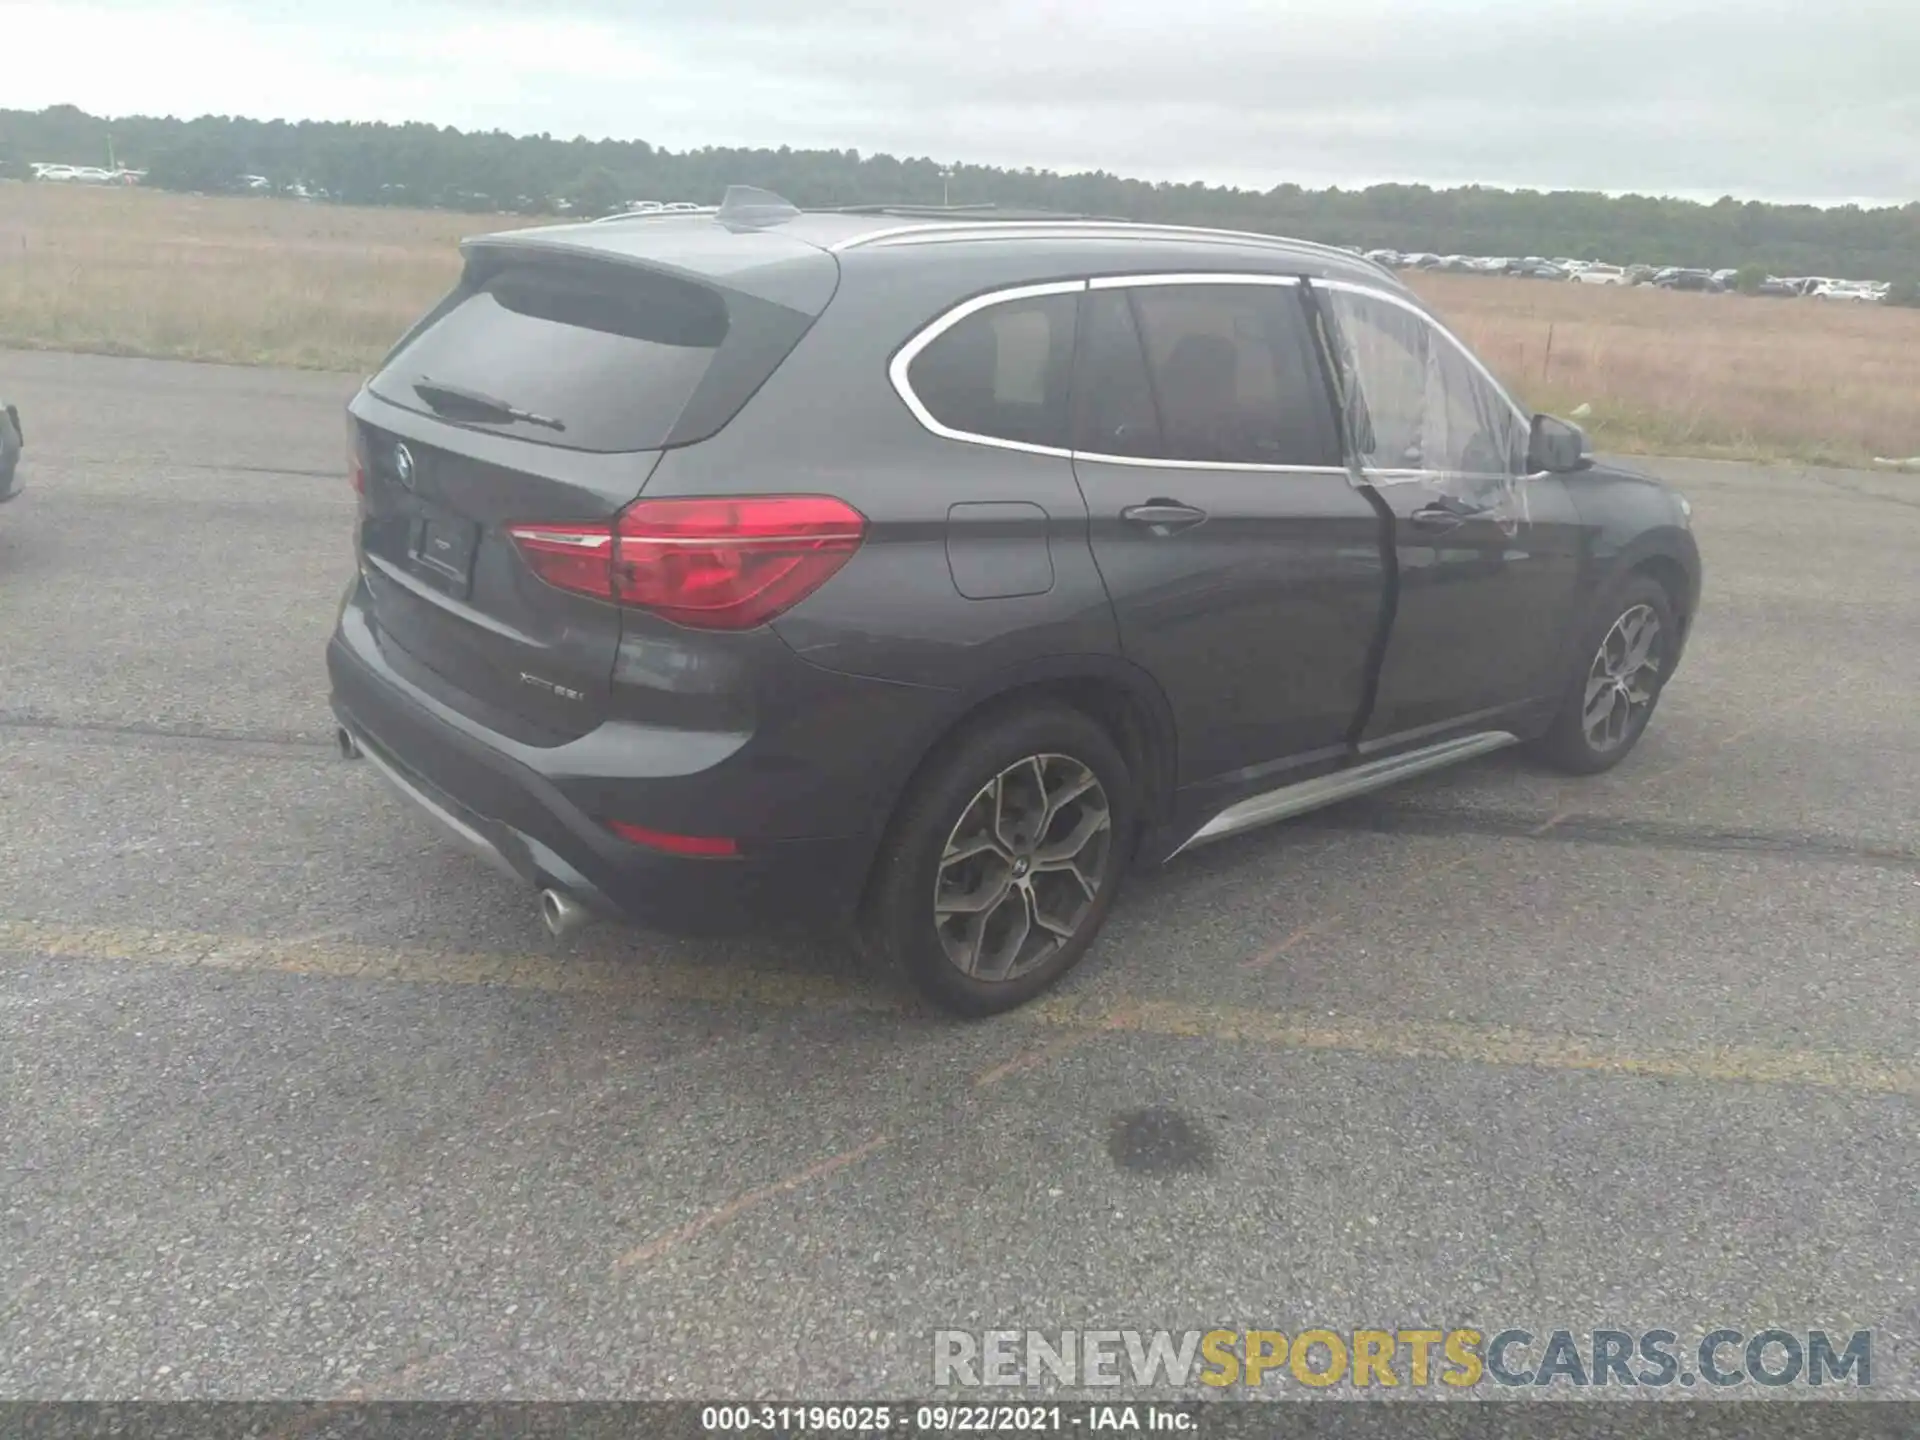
(522, 822)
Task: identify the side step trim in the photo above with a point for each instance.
(1297, 799)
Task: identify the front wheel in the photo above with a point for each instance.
(1625, 650)
(1005, 860)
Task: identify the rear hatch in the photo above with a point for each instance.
(541, 392)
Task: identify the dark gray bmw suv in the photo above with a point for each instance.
(929, 569)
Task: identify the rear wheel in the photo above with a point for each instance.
(1625, 650)
(1005, 860)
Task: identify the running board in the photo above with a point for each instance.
(1297, 799)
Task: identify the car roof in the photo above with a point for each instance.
(1045, 241)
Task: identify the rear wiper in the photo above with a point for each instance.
(452, 397)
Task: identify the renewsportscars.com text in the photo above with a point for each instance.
(1413, 1358)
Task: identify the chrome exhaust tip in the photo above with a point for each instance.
(561, 913)
(349, 747)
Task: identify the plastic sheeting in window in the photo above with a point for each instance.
(1420, 410)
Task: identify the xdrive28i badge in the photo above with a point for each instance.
(403, 467)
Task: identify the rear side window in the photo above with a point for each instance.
(1002, 373)
(1114, 408)
(1219, 373)
(589, 356)
(1235, 379)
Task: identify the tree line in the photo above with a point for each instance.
(441, 167)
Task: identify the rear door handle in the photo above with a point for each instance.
(1163, 514)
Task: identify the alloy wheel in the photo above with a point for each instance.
(1623, 679)
(1022, 867)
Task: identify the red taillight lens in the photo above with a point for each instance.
(710, 845)
(571, 557)
(358, 474)
(712, 564)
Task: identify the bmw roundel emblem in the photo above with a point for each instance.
(403, 465)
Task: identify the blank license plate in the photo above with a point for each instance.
(444, 549)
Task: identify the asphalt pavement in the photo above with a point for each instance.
(300, 1102)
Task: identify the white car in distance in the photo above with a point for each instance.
(1598, 274)
(1853, 290)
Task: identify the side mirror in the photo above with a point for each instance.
(1557, 446)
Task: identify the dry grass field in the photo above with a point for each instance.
(277, 282)
(1676, 373)
(255, 281)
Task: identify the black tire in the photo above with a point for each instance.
(1568, 743)
(899, 924)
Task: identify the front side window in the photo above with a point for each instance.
(1415, 402)
(1003, 372)
(1217, 373)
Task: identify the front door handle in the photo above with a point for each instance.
(1163, 514)
(1444, 514)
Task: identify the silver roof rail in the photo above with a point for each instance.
(1125, 229)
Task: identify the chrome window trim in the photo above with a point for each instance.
(1094, 457)
(902, 362)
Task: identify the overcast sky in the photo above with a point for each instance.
(1755, 98)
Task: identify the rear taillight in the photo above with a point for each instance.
(569, 557)
(712, 564)
(356, 466)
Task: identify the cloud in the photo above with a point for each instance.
(1699, 97)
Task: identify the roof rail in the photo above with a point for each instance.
(1072, 224)
(986, 210)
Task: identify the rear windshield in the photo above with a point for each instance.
(589, 356)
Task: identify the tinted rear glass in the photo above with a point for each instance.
(608, 358)
(1235, 375)
(1003, 371)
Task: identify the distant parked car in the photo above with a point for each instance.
(1597, 274)
(10, 445)
(1678, 279)
(1537, 270)
(1775, 287)
(1845, 290)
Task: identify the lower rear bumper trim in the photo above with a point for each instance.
(454, 826)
